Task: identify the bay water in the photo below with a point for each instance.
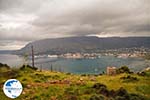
(78, 66)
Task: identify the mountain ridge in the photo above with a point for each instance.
(83, 44)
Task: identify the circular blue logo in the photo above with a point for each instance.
(12, 88)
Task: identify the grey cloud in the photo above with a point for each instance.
(11, 45)
(140, 28)
(7, 4)
(63, 18)
(20, 6)
(102, 16)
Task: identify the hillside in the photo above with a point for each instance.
(84, 44)
(47, 85)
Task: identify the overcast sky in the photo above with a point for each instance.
(22, 21)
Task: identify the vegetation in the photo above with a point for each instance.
(50, 85)
(129, 78)
(123, 69)
(24, 67)
(4, 66)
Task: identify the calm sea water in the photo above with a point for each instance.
(79, 66)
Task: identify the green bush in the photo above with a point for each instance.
(129, 79)
(99, 86)
(112, 93)
(123, 69)
(104, 91)
(136, 97)
(23, 67)
(37, 81)
(121, 92)
(101, 89)
(97, 97)
(56, 77)
(4, 66)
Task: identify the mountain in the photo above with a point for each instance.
(84, 44)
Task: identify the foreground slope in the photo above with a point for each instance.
(46, 85)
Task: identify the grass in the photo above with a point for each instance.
(46, 85)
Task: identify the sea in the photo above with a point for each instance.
(77, 66)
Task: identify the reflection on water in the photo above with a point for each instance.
(78, 66)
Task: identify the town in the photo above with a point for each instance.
(119, 53)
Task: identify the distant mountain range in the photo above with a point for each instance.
(83, 44)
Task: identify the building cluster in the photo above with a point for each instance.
(77, 55)
(127, 52)
(120, 53)
(111, 70)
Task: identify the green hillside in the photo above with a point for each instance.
(46, 85)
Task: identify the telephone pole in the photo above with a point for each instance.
(32, 56)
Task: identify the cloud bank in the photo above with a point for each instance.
(22, 21)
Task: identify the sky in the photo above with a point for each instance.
(23, 21)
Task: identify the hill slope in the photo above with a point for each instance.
(47, 85)
(84, 44)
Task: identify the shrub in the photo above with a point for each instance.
(56, 77)
(136, 97)
(97, 97)
(129, 79)
(99, 85)
(112, 93)
(83, 75)
(4, 66)
(123, 69)
(104, 91)
(101, 89)
(121, 92)
(27, 66)
(68, 73)
(141, 73)
(38, 81)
